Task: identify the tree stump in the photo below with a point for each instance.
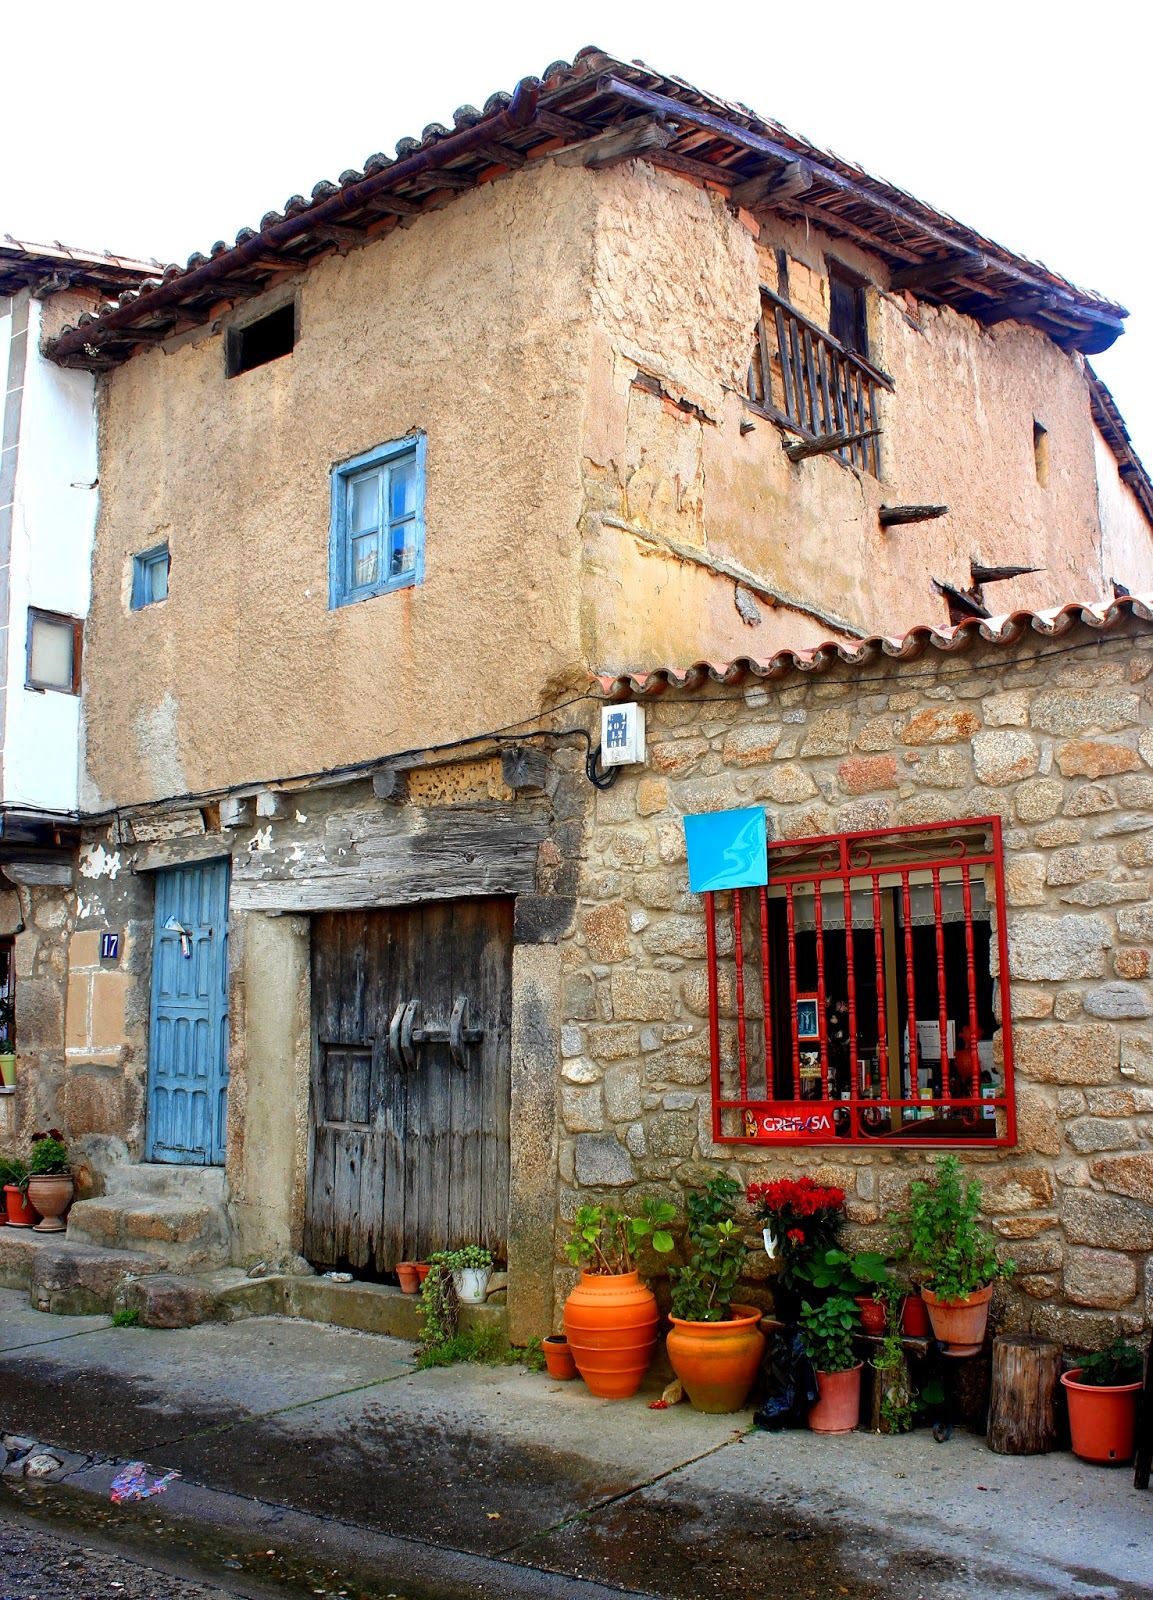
(1022, 1406)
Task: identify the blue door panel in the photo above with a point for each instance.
(188, 1040)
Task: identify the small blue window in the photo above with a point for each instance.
(150, 577)
(377, 540)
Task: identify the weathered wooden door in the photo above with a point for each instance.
(188, 1034)
(411, 1013)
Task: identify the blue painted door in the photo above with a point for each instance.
(188, 1037)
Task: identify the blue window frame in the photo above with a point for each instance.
(150, 576)
(377, 537)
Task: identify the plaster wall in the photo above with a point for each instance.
(53, 523)
(1126, 551)
(676, 296)
(470, 325)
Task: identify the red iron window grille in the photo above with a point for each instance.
(861, 980)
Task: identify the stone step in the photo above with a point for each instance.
(66, 1277)
(186, 1235)
(157, 1180)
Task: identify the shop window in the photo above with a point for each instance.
(861, 979)
(53, 656)
(377, 536)
(150, 577)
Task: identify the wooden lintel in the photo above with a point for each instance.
(633, 138)
(896, 516)
(502, 155)
(1010, 310)
(825, 443)
(770, 188)
(921, 274)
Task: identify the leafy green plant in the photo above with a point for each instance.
(898, 1401)
(532, 1356)
(606, 1242)
(49, 1157)
(703, 1288)
(7, 1024)
(474, 1256)
(1120, 1363)
(124, 1318)
(438, 1306)
(840, 1272)
(483, 1345)
(13, 1171)
(945, 1237)
(827, 1333)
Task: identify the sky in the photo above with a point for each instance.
(156, 131)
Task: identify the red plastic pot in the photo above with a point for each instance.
(21, 1212)
(914, 1317)
(838, 1410)
(1102, 1419)
(873, 1316)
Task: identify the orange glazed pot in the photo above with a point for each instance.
(959, 1324)
(838, 1408)
(1102, 1419)
(611, 1326)
(717, 1361)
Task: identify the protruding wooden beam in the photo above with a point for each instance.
(502, 155)
(962, 602)
(391, 785)
(609, 149)
(1011, 310)
(921, 274)
(983, 574)
(394, 205)
(333, 233)
(896, 516)
(563, 127)
(770, 188)
(825, 443)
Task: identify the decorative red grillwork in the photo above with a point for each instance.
(890, 939)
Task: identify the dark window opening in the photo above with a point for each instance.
(848, 322)
(264, 340)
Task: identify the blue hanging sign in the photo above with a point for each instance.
(727, 849)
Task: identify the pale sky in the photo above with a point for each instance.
(155, 131)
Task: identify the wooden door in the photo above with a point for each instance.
(409, 1115)
(188, 1033)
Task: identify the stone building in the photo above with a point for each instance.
(612, 390)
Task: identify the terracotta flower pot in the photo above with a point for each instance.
(408, 1277)
(423, 1268)
(1102, 1419)
(960, 1324)
(558, 1358)
(21, 1212)
(717, 1361)
(914, 1317)
(872, 1313)
(611, 1324)
(51, 1193)
(838, 1408)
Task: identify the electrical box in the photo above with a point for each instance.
(622, 735)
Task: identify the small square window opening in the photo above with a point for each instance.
(377, 540)
(54, 644)
(848, 320)
(150, 577)
(1041, 453)
(254, 344)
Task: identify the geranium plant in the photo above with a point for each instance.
(945, 1237)
(606, 1242)
(703, 1288)
(803, 1216)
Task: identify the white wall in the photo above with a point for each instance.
(52, 532)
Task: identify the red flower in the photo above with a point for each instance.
(796, 1235)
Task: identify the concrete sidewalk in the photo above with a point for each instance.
(325, 1445)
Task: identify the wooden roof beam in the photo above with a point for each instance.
(772, 188)
(923, 274)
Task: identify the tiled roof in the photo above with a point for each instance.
(702, 137)
(23, 263)
(1100, 615)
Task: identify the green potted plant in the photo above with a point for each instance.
(50, 1185)
(863, 1276)
(471, 1268)
(1102, 1394)
(957, 1254)
(610, 1318)
(827, 1334)
(715, 1346)
(19, 1212)
(7, 1042)
(799, 1219)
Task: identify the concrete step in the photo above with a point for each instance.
(66, 1277)
(177, 1214)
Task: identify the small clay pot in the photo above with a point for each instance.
(959, 1324)
(872, 1313)
(423, 1268)
(408, 1277)
(21, 1211)
(914, 1317)
(558, 1358)
(838, 1410)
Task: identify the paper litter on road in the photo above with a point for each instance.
(133, 1484)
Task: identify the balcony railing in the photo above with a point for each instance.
(805, 379)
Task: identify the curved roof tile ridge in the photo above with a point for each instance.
(1007, 628)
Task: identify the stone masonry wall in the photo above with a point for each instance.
(1055, 736)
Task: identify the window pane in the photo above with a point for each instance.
(50, 658)
(158, 578)
(364, 503)
(403, 549)
(364, 560)
(402, 497)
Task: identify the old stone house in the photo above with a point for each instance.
(617, 393)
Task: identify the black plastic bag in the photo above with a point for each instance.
(788, 1382)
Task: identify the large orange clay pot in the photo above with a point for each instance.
(51, 1193)
(838, 1407)
(717, 1361)
(1102, 1419)
(959, 1324)
(611, 1324)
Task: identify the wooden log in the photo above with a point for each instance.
(826, 442)
(922, 274)
(770, 188)
(631, 139)
(896, 516)
(1022, 1404)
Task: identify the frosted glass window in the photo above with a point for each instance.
(53, 651)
